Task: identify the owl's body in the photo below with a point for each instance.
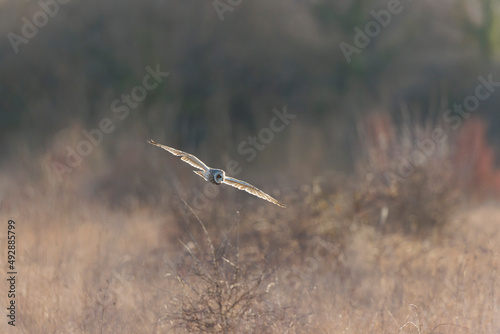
(217, 176)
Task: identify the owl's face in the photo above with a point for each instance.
(219, 176)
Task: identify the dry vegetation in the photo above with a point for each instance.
(367, 244)
(333, 262)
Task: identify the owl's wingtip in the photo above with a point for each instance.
(281, 205)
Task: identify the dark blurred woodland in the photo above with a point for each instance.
(229, 68)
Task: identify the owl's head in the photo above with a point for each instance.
(219, 176)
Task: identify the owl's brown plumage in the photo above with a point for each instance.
(217, 176)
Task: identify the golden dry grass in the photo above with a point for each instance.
(85, 268)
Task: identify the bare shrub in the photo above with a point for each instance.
(219, 292)
(406, 179)
(474, 160)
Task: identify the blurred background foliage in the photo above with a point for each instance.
(226, 76)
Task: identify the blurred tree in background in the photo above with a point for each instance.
(226, 76)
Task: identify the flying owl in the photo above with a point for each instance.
(217, 176)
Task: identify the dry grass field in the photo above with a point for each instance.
(90, 270)
(319, 266)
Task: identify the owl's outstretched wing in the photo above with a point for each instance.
(186, 157)
(242, 185)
